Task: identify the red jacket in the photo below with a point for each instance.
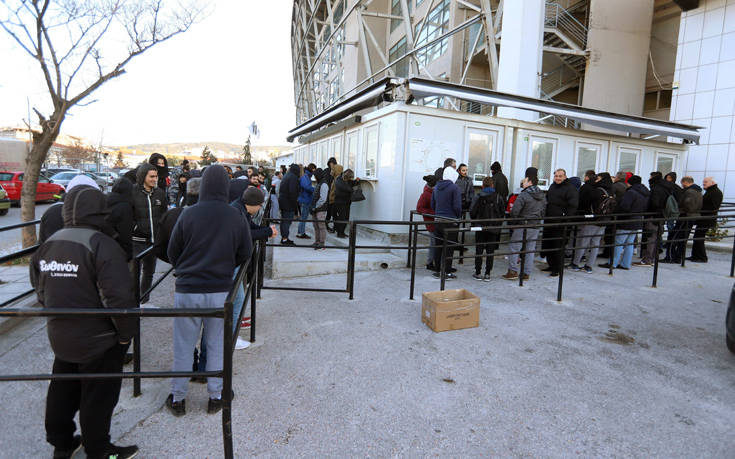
(424, 206)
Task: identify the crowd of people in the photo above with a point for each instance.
(589, 204)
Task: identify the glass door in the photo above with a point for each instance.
(588, 155)
(542, 158)
(665, 162)
(480, 153)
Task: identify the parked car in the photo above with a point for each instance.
(4, 201)
(109, 176)
(46, 189)
(53, 171)
(730, 322)
(63, 178)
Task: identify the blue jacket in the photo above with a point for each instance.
(210, 239)
(446, 200)
(307, 190)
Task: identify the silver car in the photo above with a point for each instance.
(109, 176)
(63, 178)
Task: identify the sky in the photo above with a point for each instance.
(208, 84)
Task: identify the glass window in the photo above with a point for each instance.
(474, 29)
(336, 149)
(437, 23)
(351, 150)
(434, 101)
(370, 150)
(650, 101)
(664, 164)
(664, 100)
(42, 179)
(399, 49)
(323, 154)
(5, 177)
(542, 156)
(395, 10)
(586, 160)
(628, 161)
(480, 154)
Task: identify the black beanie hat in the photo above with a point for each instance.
(253, 196)
(635, 180)
(495, 167)
(531, 172)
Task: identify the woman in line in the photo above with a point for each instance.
(343, 186)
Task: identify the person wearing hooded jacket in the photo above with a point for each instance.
(161, 165)
(591, 195)
(80, 267)
(500, 180)
(288, 200)
(562, 199)
(305, 196)
(423, 206)
(320, 202)
(120, 218)
(466, 188)
(529, 208)
(487, 204)
(209, 241)
(149, 205)
(169, 219)
(690, 205)
(53, 219)
(343, 186)
(660, 191)
(331, 179)
(446, 200)
(635, 200)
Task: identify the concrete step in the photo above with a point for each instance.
(288, 262)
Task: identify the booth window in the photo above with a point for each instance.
(542, 156)
(370, 151)
(480, 155)
(351, 150)
(337, 149)
(664, 163)
(628, 161)
(586, 160)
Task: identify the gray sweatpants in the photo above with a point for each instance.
(588, 241)
(516, 243)
(186, 334)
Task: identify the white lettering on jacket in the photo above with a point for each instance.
(58, 269)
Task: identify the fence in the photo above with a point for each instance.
(225, 312)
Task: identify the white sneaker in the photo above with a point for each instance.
(241, 343)
(148, 305)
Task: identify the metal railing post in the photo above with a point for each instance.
(563, 262)
(612, 249)
(659, 233)
(462, 247)
(522, 255)
(684, 245)
(413, 260)
(253, 301)
(261, 266)
(351, 260)
(136, 339)
(410, 238)
(227, 381)
(732, 259)
(443, 268)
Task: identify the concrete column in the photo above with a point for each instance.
(619, 39)
(521, 51)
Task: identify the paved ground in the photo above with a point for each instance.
(616, 369)
(10, 241)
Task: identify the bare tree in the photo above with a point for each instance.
(77, 154)
(80, 45)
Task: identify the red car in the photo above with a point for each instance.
(13, 184)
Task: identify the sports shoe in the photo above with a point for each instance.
(342, 236)
(587, 269)
(447, 276)
(431, 267)
(526, 277)
(641, 263)
(215, 404)
(477, 276)
(547, 269)
(486, 277)
(623, 268)
(303, 236)
(605, 265)
(554, 274)
(574, 267)
(68, 453)
(287, 242)
(510, 275)
(117, 452)
(241, 343)
(176, 408)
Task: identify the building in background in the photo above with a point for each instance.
(629, 57)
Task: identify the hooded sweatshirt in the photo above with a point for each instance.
(446, 200)
(288, 194)
(148, 207)
(334, 172)
(210, 240)
(530, 204)
(53, 220)
(307, 189)
(80, 267)
(635, 200)
(120, 219)
(162, 171)
(424, 206)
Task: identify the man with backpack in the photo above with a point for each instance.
(663, 204)
(488, 204)
(595, 200)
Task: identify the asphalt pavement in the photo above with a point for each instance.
(11, 240)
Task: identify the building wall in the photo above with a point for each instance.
(704, 90)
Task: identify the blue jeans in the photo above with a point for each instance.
(237, 305)
(624, 248)
(304, 216)
(286, 219)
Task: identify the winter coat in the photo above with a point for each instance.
(79, 267)
(51, 221)
(258, 232)
(120, 218)
(635, 200)
(210, 240)
(501, 184)
(660, 192)
(530, 204)
(467, 191)
(562, 199)
(237, 187)
(484, 197)
(619, 190)
(307, 189)
(590, 197)
(446, 200)
(321, 195)
(691, 201)
(343, 190)
(288, 194)
(711, 202)
(148, 207)
(332, 175)
(162, 171)
(424, 206)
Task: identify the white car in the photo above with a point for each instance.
(109, 176)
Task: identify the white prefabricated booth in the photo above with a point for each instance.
(392, 148)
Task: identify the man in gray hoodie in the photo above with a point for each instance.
(529, 208)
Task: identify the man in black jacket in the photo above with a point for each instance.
(288, 196)
(81, 267)
(168, 221)
(711, 202)
(149, 205)
(209, 241)
(660, 192)
(161, 165)
(589, 236)
(120, 218)
(562, 199)
(53, 219)
(466, 187)
(500, 180)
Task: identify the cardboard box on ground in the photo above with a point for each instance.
(450, 310)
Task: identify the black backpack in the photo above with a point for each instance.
(606, 205)
(490, 207)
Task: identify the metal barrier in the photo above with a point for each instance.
(19, 254)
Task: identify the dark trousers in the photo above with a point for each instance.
(699, 252)
(555, 246)
(485, 242)
(653, 235)
(341, 212)
(147, 268)
(451, 238)
(681, 231)
(286, 219)
(95, 399)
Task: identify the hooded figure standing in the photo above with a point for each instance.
(209, 241)
(80, 267)
(120, 218)
(446, 200)
(288, 200)
(161, 165)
